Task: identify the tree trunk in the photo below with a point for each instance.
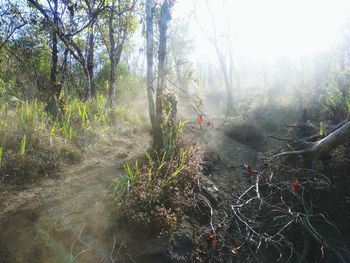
(163, 26)
(55, 87)
(182, 80)
(112, 82)
(117, 44)
(149, 43)
(228, 86)
(112, 57)
(91, 91)
(323, 146)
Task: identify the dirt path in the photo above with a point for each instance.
(221, 152)
(66, 219)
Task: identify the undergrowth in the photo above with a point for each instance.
(155, 194)
(33, 143)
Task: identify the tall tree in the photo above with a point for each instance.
(179, 49)
(11, 20)
(225, 58)
(120, 23)
(157, 113)
(149, 51)
(55, 86)
(69, 35)
(91, 90)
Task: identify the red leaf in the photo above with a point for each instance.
(212, 239)
(295, 184)
(250, 172)
(200, 119)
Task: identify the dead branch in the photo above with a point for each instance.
(323, 146)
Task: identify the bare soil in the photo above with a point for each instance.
(66, 218)
(69, 218)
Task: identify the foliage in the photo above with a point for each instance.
(157, 193)
(336, 99)
(33, 144)
(23, 145)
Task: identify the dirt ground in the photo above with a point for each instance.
(66, 218)
(69, 219)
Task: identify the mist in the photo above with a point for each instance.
(174, 131)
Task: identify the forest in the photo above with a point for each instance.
(174, 131)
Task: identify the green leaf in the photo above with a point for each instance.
(322, 132)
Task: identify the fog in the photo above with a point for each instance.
(281, 49)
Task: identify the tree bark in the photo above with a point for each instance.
(323, 146)
(112, 56)
(149, 44)
(117, 40)
(55, 87)
(163, 26)
(91, 89)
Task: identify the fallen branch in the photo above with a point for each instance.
(323, 146)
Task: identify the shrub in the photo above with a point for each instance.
(32, 142)
(243, 131)
(156, 194)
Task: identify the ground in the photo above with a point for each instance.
(69, 218)
(57, 218)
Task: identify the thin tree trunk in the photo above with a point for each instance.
(91, 91)
(112, 82)
(149, 43)
(55, 87)
(228, 87)
(112, 57)
(116, 45)
(157, 132)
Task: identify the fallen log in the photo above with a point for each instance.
(319, 148)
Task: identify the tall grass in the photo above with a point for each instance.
(27, 118)
(23, 145)
(160, 169)
(27, 125)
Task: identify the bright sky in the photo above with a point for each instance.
(266, 29)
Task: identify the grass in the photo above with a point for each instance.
(158, 192)
(23, 145)
(33, 144)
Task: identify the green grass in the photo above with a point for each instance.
(29, 135)
(23, 145)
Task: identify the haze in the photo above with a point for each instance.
(265, 30)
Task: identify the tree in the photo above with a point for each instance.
(226, 61)
(11, 20)
(69, 33)
(120, 16)
(55, 90)
(149, 52)
(156, 113)
(179, 50)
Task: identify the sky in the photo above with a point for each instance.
(266, 29)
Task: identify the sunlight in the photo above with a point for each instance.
(271, 28)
